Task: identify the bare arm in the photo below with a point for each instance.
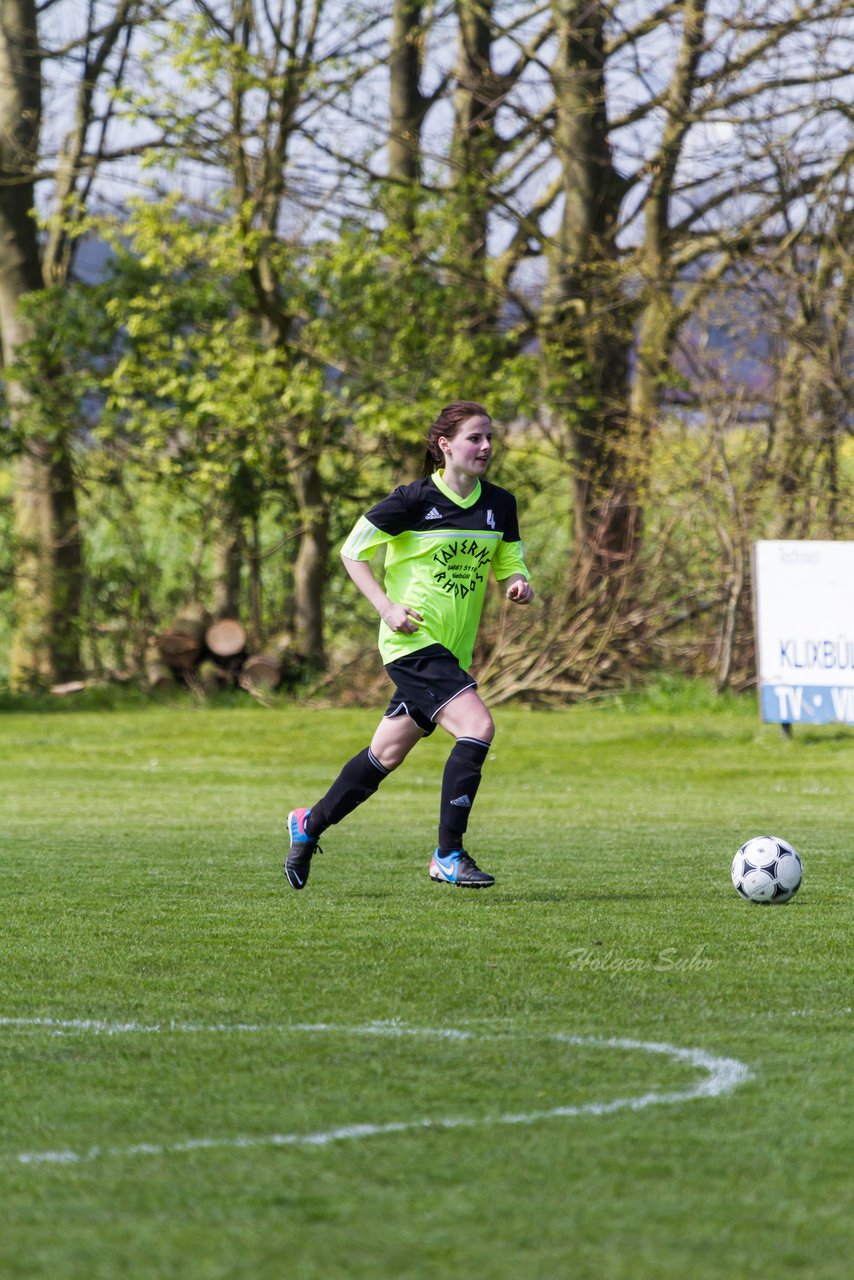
(397, 617)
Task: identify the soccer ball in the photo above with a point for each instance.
(767, 870)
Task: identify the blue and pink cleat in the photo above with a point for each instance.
(302, 850)
(460, 869)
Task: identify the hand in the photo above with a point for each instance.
(399, 617)
(520, 591)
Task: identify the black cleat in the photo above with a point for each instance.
(459, 868)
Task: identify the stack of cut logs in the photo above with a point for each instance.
(213, 655)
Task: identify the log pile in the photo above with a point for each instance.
(210, 654)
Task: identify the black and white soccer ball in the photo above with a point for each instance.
(767, 870)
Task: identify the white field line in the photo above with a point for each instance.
(70, 1026)
(814, 1013)
(722, 1076)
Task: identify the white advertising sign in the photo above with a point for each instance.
(804, 599)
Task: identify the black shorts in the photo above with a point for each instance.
(425, 682)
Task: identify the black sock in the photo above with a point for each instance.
(460, 782)
(358, 780)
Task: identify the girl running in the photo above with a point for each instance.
(442, 533)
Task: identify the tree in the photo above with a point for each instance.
(192, 391)
(408, 106)
(49, 566)
(43, 495)
(485, 158)
(643, 175)
(583, 321)
(260, 77)
(813, 404)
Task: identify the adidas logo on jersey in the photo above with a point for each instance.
(462, 801)
(433, 514)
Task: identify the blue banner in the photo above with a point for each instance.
(806, 704)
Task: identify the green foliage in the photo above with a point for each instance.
(60, 367)
(190, 415)
(194, 391)
(395, 327)
(377, 340)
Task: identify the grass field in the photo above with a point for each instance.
(188, 1048)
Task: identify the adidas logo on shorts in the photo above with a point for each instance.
(433, 514)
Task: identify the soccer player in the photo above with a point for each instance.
(442, 534)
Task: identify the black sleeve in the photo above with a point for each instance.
(511, 526)
(393, 514)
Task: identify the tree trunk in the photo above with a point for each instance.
(48, 568)
(815, 381)
(225, 638)
(228, 563)
(158, 674)
(659, 319)
(256, 610)
(585, 329)
(31, 658)
(474, 142)
(407, 107)
(475, 149)
(182, 643)
(310, 565)
(261, 671)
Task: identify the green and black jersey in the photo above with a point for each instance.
(439, 550)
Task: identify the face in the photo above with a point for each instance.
(471, 448)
